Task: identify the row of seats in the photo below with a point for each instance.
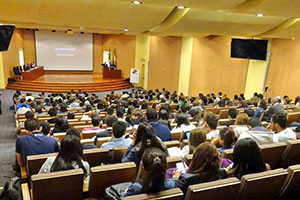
(269, 185)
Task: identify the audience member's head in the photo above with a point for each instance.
(110, 110)
(249, 112)
(61, 123)
(38, 109)
(120, 112)
(154, 163)
(254, 122)
(45, 127)
(197, 137)
(183, 108)
(71, 115)
(151, 114)
(242, 119)
(211, 121)
(232, 113)
(29, 115)
(32, 125)
(182, 119)
(63, 108)
(163, 115)
(110, 120)
(247, 158)
(205, 162)
(278, 122)
(52, 112)
(263, 104)
(118, 129)
(96, 121)
(73, 131)
(227, 137)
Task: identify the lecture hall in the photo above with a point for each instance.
(149, 99)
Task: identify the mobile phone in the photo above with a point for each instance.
(181, 168)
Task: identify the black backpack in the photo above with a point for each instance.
(12, 190)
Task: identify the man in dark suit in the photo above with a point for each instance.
(275, 108)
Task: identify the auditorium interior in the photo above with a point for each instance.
(150, 99)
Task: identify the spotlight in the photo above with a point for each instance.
(126, 30)
(259, 15)
(136, 2)
(180, 7)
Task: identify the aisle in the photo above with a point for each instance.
(7, 138)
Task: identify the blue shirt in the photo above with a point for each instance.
(131, 154)
(117, 142)
(34, 144)
(258, 112)
(221, 149)
(161, 131)
(21, 104)
(136, 188)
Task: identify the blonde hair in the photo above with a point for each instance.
(197, 137)
(242, 119)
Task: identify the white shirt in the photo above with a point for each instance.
(29, 97)
(212, 134)
(261, 137)
(285, 135)
(184, 128)
(22, 110)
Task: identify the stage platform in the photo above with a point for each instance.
(66, 81)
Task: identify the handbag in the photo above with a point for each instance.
(117, 191)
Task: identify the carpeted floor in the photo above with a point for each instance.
(7, 137)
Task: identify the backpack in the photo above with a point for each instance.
(12, 190)
(117, 191)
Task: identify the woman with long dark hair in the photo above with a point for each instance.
(247, 158)
(151, 174)
(204, 167)
(143, 138)
(69, 157)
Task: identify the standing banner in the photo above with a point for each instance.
(134, 75)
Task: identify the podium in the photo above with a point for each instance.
(107, 73)
(33, 73)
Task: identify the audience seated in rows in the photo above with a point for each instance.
(211, 122)
(278, 124)
(226, 139)
(232, 113)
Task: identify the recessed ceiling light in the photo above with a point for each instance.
(293, 38)
(137, 2)
(180, 7)
(81, 28)
(126, 30)
(260, 15)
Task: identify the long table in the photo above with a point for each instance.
(33, 73)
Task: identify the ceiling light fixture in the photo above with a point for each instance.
(137, 2)
(81, 28)
(126, 30)
(180, 7)
(259, 15)
(293, 38)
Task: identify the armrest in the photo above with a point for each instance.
(23, 173)
(25, 191)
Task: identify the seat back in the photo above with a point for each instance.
(81, 127)
(223, 114)
(225, 189)
(228, 153)
(272, 153)
(35, 162)
(176, 135)
(59, 136)
(171, 161)
(95, 157)
(118, 153)
(88, 134)
(290, 189)
(291, 155)
(172, 194)
(292, 117)
(107, 175)
(65, 185)
(102, 140)
(265, 185)
(173, 143)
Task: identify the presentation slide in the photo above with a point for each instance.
(59, 51)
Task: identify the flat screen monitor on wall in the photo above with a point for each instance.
(6, 32)
(249, 49)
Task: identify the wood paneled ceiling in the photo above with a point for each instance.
(158, 17)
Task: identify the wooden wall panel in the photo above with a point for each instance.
(212, 69)
(11, 57)
(29, 46)
(97, 52)
(125, 48)
(164, 65)
(284, 69)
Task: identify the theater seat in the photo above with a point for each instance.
(290, 190)
(96, 157)
(292, 117)
(107, 175)
(228, 153)
(291, 155)
(272, 153)
(173, 143)
(172, 194)
(265, 185)
(117, 154)
(65, 185)
(171, 161)
(226, 189)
